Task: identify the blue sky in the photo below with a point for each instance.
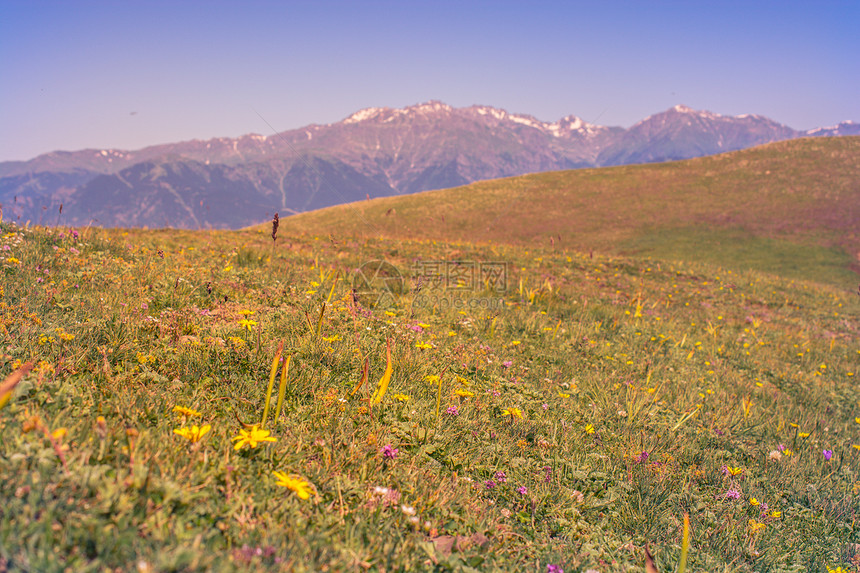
(126, 74)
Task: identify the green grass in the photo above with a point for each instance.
(740, 250)
(803, 192)
(606, 358)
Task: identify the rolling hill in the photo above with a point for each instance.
(790, 208)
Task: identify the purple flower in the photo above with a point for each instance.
(522, 490)
(416, 328)
(501, 477)
(828, 454)
(490, 484)
(389, 452)
(74, 233)
(507, 363)
(640, 459)
(781, 447)
(452, 411)
(732, 494)
(545, 406)
(550, 568)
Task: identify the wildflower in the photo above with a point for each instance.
(589, 429)
(302, 488)
(513, 413)
(507, 363)
(194, 433)
(407, 509)
(640, 459)
(856, 446)
(489, 484)
(452, 411)
(550, 568)
(774, 455)
(432, 378)
(246, 312)
(500, 477)
(776, 514)
(13, 261)
(522, 490)
(389, 452)
(400, 397)
(754, 502)
(803, 434)
(185, 411)
(545, 406)
(463, 393)
(787, 453)
(515, 342)
(755, 525)
(734, 471)
(423, 345)
(252, 437)
(247, 324)
(732, 494)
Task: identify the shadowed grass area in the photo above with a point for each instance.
(739, 250)
(806, 192)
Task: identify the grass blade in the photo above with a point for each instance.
(272, 375)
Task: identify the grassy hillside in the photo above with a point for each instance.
(791, 208)
(569, 416)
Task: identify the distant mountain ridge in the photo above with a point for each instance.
(235, 182)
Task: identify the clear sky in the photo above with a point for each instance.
(126, 74)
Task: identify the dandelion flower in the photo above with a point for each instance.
(252, 437)
(247, 324)
(463, 393)
(302, 488)
(513, 413)
(194, 433)
(400, 397)
(734, 471)
(589, 429)
(754, 502)
(185, 411)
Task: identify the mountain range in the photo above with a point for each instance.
(375, 152)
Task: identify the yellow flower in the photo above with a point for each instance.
(734, 471)
(776, 514)
(246, 312)
(13, 261)
(400, 397)
(856, 446)
(755, 526)
(302, 488)
(185, 411)
(194, 433)
(247, 324)
(857, 420)
(334, 338)
(515, 342)
(423, 345)
(513, 413)
(432, 378)
(754, 502)
(252, 437)
(803, 434)
(463, 393)
(589, 428)
(793, 425)
(787, 453)
(59, 433)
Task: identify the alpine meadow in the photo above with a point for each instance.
(629, 368)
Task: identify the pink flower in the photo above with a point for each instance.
(389, 452)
